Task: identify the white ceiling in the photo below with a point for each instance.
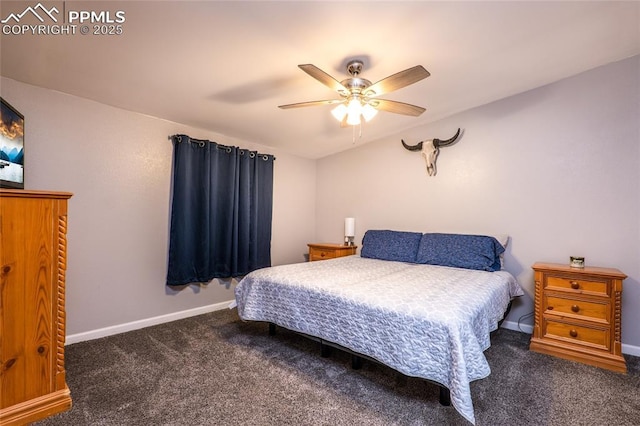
(226, 66)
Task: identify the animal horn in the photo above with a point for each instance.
(416, 147)
(438, 143)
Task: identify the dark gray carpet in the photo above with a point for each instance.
(214, 369)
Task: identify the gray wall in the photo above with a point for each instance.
(118, 165)
(556, 168)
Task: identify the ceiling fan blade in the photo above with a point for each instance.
(311, 103)
(397, 107)
(324, 78)
(397, 81)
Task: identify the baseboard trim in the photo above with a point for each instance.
(147, 322)
(630, 349)
(528, 328)
(522, 328)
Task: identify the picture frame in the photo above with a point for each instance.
(11, 146)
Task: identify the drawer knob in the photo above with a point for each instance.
(575, 308)
(575, 285)
(321, 254)
(550, 308)
(573, 333)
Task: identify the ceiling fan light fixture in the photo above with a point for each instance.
(339, 112)
(354, 109)
(368, 112)
(353, 119)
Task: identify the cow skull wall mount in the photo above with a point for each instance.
(430, 150)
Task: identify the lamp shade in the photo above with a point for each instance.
(349, 227)
(368, 112)
(339, 112)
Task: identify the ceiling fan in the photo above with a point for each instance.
(359, 97)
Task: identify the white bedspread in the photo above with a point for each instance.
(425, 321)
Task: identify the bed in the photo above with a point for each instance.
(427, 320)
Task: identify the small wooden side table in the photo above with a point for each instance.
(323, 251)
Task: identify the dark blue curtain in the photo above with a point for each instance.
(220, 211)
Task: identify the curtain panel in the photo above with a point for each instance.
(221, 209)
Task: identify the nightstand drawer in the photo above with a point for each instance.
(593, 337)
(582, 309)
(323, 251)
(574, 284)
(315, 254)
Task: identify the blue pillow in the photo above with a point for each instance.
(461, 251)
(391, 245)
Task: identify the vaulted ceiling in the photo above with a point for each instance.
(226, 66)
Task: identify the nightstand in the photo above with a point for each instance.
(325, 251)
(578, 314)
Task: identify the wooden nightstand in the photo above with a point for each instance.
(577, 314)
(329, 251)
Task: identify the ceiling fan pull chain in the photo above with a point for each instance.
(353, 132)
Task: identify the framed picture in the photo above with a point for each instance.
(11, 147)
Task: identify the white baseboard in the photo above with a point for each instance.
(528, 328)
(630, 349)
(522, 328)
(147, 322)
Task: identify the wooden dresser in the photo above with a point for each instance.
(329, 251)
(578, 314)
(33, 257)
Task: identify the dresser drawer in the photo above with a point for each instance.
(318, 254)
(574, 284)
(582, 309)
(593, 337)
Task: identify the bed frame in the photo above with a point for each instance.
(357, 358)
